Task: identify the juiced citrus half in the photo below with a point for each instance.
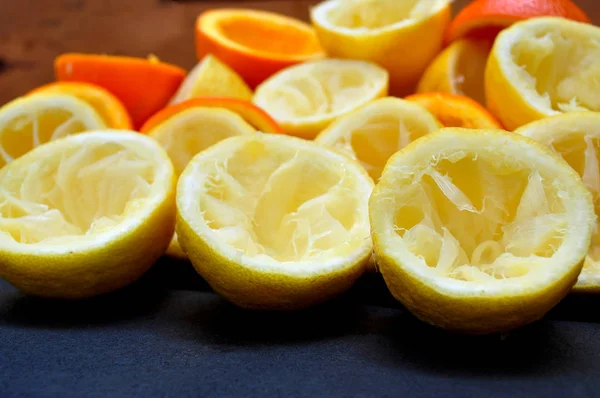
(542, 67)
(374, 132)
(109, 107)
(403, 36)
(254, 43)
(576, 138)
(190, 131)
(144, 86)
(30, 121)
(212, 78)
(274, 222)
(86, 214)
(480, 231)
(306, 98)
(459, 69)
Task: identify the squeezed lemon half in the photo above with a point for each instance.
(542, 67)
(273, 221)
(86, 214)
(480, 231)
(304, 99)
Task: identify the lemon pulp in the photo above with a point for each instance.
(576, 138)
(373, 133)
(480, 231)
(561, 68)
(251, 32)
(86, 190)
(380, 138)
(285, 206)
(477, 220)
(314, 94)
(194, 130)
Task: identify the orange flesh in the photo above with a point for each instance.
(268, 36)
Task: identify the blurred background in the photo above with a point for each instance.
(33, 32)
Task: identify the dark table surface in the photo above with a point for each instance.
(169, 335)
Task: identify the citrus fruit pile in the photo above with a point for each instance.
(459, 157)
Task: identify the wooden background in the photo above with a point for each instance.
(33, 32)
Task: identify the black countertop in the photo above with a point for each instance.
(169, 335)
